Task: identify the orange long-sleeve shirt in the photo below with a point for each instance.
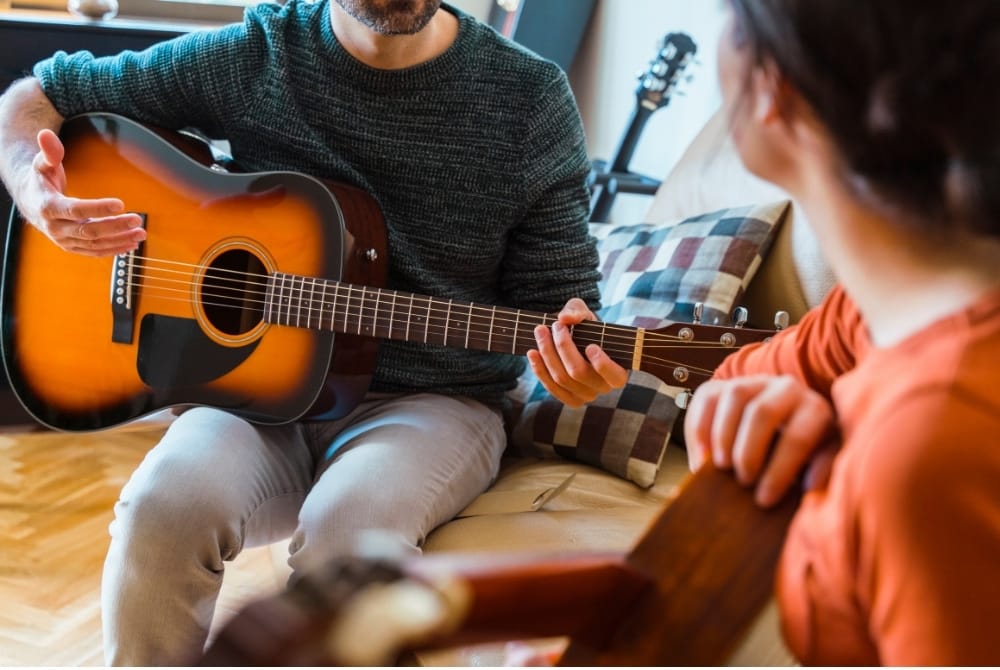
(897, 561)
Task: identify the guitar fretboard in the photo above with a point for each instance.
(318, 304)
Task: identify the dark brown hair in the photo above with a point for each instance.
(908, 89)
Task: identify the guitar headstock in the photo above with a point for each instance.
(661, 79)
(687, 354)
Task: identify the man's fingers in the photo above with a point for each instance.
(612, 373)
(564, 366)
(108, 245)
(50, 150)
(79, 210)
(558, 391)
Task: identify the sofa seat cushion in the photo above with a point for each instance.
(597, 512)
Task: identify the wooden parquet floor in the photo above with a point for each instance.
(57, 492)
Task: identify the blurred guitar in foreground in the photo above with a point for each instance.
(687, 594)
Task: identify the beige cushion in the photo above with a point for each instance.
(710, 176)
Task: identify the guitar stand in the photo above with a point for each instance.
(654, 90)
(606, 185)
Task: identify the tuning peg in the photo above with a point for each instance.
(740, 317)
(683, 399)
(781, 320)
(699, 309)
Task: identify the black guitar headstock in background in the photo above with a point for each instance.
(667, 71)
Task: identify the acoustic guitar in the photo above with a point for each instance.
(259, 293)
(687, 594)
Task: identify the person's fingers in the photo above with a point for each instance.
(698, 422)
(50, 151)
(805, 429)
(559, 392)
(734, 397)
(102, 237)
(78, 210)
(611, 372)
(763, 415)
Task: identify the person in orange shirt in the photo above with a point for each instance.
(881, 120)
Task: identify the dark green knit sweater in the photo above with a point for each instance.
(477, 157)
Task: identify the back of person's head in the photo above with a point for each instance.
(909, 91)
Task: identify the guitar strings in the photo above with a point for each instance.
(650, 346)
(649, 349)
(355, 309)
(351, 290)
(438, 308)
(349, 314)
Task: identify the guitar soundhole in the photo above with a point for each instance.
(233, 291)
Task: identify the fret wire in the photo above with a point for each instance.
(297, 299)
(322, 303)
(333, 310)
(347, 306)
(427, 321)
(392, 312)
(468, 324)
(447, 320)
(268, 299)
(489, 335)
(312, 290)
(410, 318)
(281, 303)
(307, 301)
(517, 327)
(378, 299)
(275, 298)
(361, 309)
(312, 297)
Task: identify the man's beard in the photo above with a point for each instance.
(392, 17)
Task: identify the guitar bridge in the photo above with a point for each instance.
(123, 293)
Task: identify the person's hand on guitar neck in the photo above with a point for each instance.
(574, 378)
(93, 227)
(766, 429)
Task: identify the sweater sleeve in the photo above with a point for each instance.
(194, 80)
(551, 256)
(817, 350)
(900, 554)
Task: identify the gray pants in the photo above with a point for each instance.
(216, 484)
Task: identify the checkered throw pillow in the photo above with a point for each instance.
(652, 275)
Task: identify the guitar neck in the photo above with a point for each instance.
(629, 141)
(318, 304)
